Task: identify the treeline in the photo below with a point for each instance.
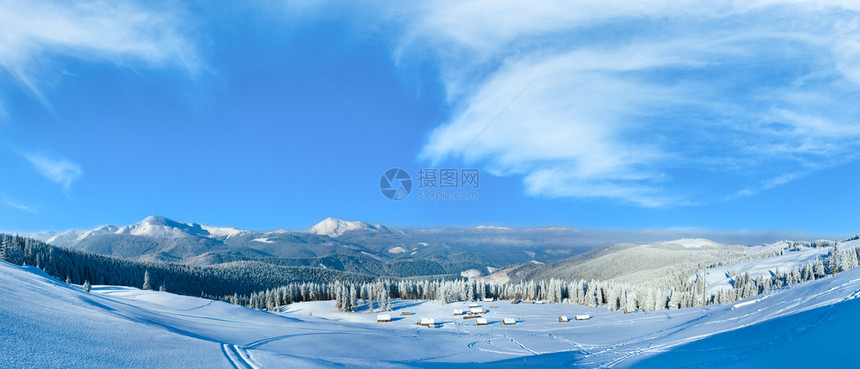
(265, 286)
(377, 295)
(627, 297)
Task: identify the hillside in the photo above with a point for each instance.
(624, 262)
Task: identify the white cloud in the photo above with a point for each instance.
(569, 132)
(33, 33)
(58, 170)
(635, 96)
(16, 205)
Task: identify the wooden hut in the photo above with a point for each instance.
(383, 318)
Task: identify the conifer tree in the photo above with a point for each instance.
(147, 285)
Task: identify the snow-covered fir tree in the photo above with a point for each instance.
(147, 284)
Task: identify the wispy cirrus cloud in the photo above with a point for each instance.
(38, 37)
(648, 102)
(10, 202)
(652, 103)
(59, 170)
(35, 34)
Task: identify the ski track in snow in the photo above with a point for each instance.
(514, 340)
(246, 357)
(232, 357)
(238, 357)
(474, 346)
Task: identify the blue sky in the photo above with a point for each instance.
(654, 115)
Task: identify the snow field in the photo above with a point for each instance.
(49, 324)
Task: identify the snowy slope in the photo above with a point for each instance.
(780, 343)
(48, 324)
(792, 257)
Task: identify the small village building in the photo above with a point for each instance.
(476, 310)
(427, 321)
(473, 305)
(563, 319)
(458, 312)
(481, 321)
(582, 317)
(509, 321)
(383, 318)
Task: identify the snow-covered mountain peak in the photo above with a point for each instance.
(334, 227)
(156, 220)
(159, 227)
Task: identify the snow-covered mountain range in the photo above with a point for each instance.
(360, 247)
(437, 251)
(151, 226)
(160, 227)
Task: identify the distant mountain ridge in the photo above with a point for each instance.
(394, 252)
(151, 226)
(360, 247)
(161, 227)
